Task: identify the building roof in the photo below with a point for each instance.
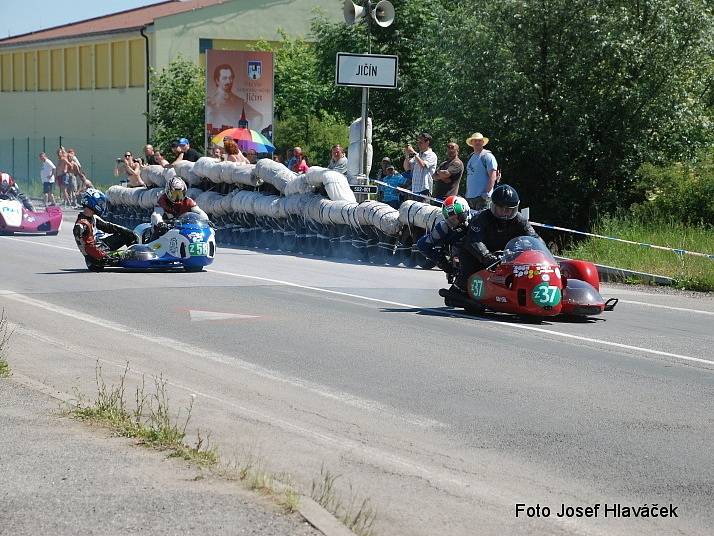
(123, 20)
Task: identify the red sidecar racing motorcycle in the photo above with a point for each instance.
(528, 281)
(15, 218)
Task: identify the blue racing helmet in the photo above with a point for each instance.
(94, 199)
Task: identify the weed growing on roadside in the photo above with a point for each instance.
(5, 334)
(151, 420)
(358, 515)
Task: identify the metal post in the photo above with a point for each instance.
(28, 164)
(13, 155)
(60, 142)
(44, 145)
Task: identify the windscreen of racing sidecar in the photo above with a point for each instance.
(518, 245)
(192, 219)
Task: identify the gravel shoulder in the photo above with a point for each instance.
(61, 477)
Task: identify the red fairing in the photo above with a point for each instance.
(583, 270)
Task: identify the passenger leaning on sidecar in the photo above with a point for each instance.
(98, 251)
(491, 230)
(10, 190)
(172, 203)
(448, 235)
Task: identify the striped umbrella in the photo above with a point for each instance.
(246, 139)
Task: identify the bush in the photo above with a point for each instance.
(680, 191)
(315, 135)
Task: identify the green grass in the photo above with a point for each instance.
(151, 421)
(5, 334)
(688, 271)
(356, 514)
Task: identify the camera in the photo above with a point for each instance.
(118, 159)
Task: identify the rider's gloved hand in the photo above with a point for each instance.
(446, 266)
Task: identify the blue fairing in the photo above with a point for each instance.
(190, 244)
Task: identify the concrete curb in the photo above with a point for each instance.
(310, 510)
(613, 274)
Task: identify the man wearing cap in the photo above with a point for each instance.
(481, 173)
(386, 162)
(185, 152)
(389, 194)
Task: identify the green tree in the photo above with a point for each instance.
(315, 136)
(587, 91)
(178, 96)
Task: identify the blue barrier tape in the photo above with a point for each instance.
(641, 244)
(549, 226)
(440, 201)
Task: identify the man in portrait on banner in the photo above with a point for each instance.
(224, 107)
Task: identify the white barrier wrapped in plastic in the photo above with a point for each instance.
(416, 214)
(379, 215)
(353, 152)
(156, 175)
(209, 201)
(335, 183)
(235, 173)
(274, 173)
(298, 186)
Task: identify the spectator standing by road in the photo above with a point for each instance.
(422, 163)
(62, 174)
(186, 152)
(481, 173)
(338, 162)
(252, 156)
(299, 164)
(47, 173)
(388, 194)
(382, 171)
(233, 153)
(290, 155)
(130, 169)
(150, 155)
(448, 175)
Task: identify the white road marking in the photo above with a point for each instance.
(454, 314)
(658, 306)
(36, 243)
(201, 316)
(318, 389)
(459, 315)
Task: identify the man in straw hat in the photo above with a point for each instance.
(481, 172)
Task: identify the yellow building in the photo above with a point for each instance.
(84, 85)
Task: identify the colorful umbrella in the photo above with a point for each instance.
(246, 139)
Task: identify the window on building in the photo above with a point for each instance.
(18, 71)
(31, 71)
(57, 69)
(137, 66)
(86, 67)
(119, 65)
(6, 70)
(43, 70)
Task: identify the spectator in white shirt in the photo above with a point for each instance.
(47, 173)
(422, 164)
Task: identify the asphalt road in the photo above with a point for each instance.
(445, 422)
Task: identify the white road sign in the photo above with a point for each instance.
(366, 70)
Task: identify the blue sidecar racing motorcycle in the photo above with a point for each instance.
(189, 244)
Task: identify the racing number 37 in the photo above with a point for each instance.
(545, 294)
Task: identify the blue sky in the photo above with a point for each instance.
(22, 16)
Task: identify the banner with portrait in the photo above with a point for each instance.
(239, 91)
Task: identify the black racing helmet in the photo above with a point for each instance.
(505, 202)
